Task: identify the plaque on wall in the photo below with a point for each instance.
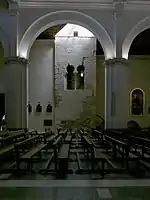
(47, 122)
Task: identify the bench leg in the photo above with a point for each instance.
(103, 168)
(29, 166)
(55, 159)
(18, 165)
(93, 164)
(39, 154)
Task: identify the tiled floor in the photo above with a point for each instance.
(83, 193)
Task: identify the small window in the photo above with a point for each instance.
(75, 33)
(70, 77)
(80, 77)
(137, 101)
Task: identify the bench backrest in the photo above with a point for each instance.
(27, 144)
(58, 141)
(6, 141)
(86, 140)
(140, 141)
(116, 141)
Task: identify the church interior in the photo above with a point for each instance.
(70, 110)
(66, 115)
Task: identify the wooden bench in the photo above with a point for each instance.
(55, 145)
(119, 146)
(144, 143)
(4, 134)
(26, 150)
(98, 135)
(50, 139)
(45, 135)
(6, 146)
(68, 139)
(33, 133)
(99, 156)
(143, 148)
(117, 143)
(145, 164)
(63, 159)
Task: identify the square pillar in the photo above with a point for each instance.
(108, 95)
(16, 92)
(120, 92)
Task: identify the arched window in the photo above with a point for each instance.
(80, 77)
(70, 77)
(137, 100)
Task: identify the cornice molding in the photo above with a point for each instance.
(15, 60)
(66, 5)
(117, 61)
(137, 5)
(127, 4)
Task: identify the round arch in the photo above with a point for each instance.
(136, 30)
(4, 39)
(49, 20)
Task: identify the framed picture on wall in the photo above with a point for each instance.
(137, 102)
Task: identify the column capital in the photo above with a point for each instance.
(121, 61)
(14, 60)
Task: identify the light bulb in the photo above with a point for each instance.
(82, 74)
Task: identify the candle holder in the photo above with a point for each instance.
(39, 108)
(49, 108)
(29, 108)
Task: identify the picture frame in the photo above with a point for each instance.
(137, 102)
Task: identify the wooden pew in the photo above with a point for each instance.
(57, 142)
(68, 139)
(142, 146)
(87, 144)
(44, 136)
(99, 156)
(33, 133)
(6, 144)
(98, 135)
(63, 159)
(51, 139)
(7, 149)
(123, 148)
(27, 149)
(4, 134)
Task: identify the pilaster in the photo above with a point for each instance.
(16, 92)
(108, 95)
(119, 92)
(118, 23)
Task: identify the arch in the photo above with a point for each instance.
(49, 20)
(140, 27)
(4, 39)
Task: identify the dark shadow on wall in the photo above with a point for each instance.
(2, 106)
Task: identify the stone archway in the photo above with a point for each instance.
(62, 17)
(4, 38)
(136, 30)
